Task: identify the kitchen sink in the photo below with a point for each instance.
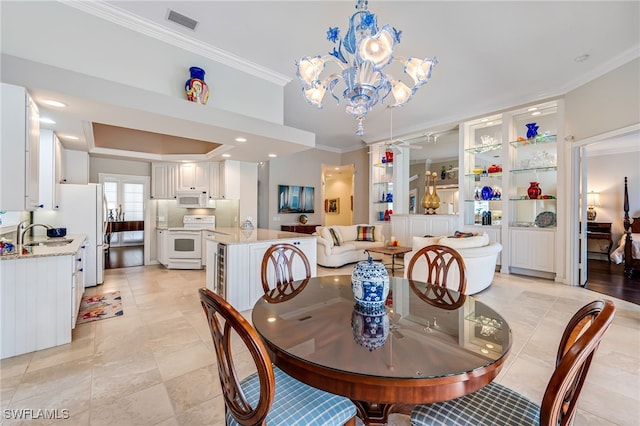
(56, 243)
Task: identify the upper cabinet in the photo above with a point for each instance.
(219, 180)
(164, 177)
(51, 169)
(193, 177)
(19, 150)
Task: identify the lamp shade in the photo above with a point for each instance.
(593, 199)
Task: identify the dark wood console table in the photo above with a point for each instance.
(124, 226)
(300, 228)
(600, 231)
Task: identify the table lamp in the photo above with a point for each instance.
(592, 202)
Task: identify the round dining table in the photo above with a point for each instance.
(426, 344)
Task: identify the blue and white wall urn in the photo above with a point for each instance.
(370, 283)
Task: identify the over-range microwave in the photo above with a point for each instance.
(192, 199)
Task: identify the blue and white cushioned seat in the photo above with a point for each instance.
(493, 405)
(296, 403)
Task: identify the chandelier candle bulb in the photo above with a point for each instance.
(361, 57)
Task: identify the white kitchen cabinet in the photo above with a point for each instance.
(214, 180)
(229, 183)
(51, 170)
(532, 251)
(19, 150)
(77, 282)
(161, 246)
(242, 269)
(40, 298)
(193, 177)
(205, 256)
(164, 181)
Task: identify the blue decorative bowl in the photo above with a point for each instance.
(370, 283)
(370, 326)
(487, 193)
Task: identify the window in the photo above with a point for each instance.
(125, 196)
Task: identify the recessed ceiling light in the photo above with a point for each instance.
(490, 123)
(535, 113)
(532, 109)
(272, 155)
(484, 120)
(336, 168)
(47, 120)
(53, 103)
(581, 58)
(226, 155)
(70, 137)
(241, 139)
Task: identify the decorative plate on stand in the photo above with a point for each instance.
(546, 219)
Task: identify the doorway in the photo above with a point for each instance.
(599, 208)
(338, 183)
(125, 237)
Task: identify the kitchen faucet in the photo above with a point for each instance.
(22, 229)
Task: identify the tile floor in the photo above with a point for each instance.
(155, 365)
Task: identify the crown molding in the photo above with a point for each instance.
(146, 27)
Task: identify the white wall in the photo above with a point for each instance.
(607, 103)
(303, 169)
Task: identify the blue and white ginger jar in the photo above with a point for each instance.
(370, 283)
(370, 326)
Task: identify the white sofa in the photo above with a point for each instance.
(479, 254)
(350, 249)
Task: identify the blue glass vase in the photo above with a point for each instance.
(532, 130)
(487, 193)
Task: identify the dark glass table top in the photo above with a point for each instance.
(322, 325)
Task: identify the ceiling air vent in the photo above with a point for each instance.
(185, 21)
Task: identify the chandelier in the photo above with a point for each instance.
(361, 57)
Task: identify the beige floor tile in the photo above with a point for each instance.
(156, 366)
(146, 407)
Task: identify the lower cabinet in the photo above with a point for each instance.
(40, 298)
(240, 279)
(161, 246)
(532, 250)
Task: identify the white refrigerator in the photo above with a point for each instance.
(82, 211)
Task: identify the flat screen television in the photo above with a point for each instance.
(295, 199)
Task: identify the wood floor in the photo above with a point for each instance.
(603, 277)
(608, 278)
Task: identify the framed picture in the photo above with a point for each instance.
(413, 194)
(332, 205)
(295, 199)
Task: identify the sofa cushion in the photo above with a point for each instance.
(335, 237)
(365, 233)
(326, 234)
(419, 242)
(480, 240)
(345, 248)
(347, 232)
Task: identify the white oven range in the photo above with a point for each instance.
(184, 245)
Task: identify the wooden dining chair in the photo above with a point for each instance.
(445, 267)
(496, 404)
(285, 264)
(269, 396)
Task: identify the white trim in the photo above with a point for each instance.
(120, 17)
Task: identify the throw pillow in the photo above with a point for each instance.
(480, 240)
(334, 237)
(459, 234)
(419, 242)
(325, 234)
(365, 233)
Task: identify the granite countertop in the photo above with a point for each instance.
(243, 236)
(41, 251)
